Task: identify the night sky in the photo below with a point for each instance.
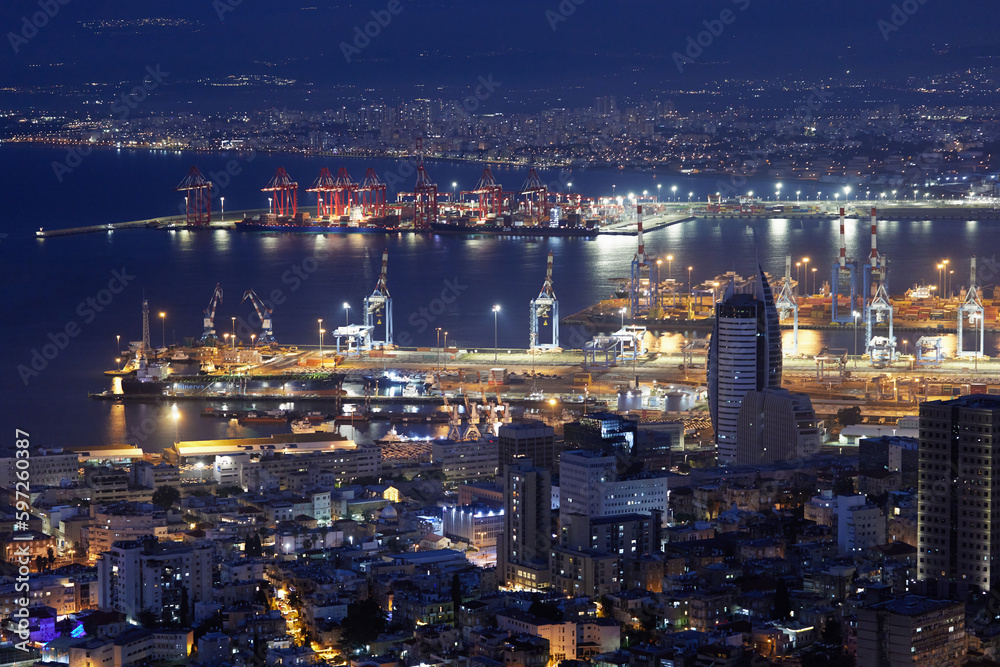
(556, 52)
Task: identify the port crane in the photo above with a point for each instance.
(284, 193)
(197, 198)
(973, 308)
(844, 281)
(324, 186)
(787, 303)
(490, 195)
(644, 281)
(881, 349)
(544, 306)
(208, 336)
(379, 305)
(264, 314)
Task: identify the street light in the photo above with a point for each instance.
(446, 350)
(270, 204)
(673, 189)
(454, 186)
(622, 312)
(670, 266)
(797, 193)
(856, 315)
(234, 332)
(658, 187)
(690, 291)
(223, 200)
(847, 193)
(321, 332)
(347, 314)
(437, 361)
(496, 310)
(118, 344)
(253, 341)
(805, 263)
(814, 280)
(163, 329)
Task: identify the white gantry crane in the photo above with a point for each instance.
(972, 308)
(378, 306)
(543, 307)
(787, 303)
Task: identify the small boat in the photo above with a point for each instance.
(303, 426)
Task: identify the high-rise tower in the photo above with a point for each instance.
(744, 355)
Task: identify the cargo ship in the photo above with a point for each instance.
(303, 224)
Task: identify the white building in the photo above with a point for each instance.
(46, 467)
(142, 575)
(589, 485)
(859, 525)
(466, 460)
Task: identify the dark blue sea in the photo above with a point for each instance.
(93, 285)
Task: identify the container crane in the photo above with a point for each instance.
(197, 198)
(787, 303)
(544, 306)
(879, 308)
(844, 281)
(379, 305)
(973, 308)
(644, 281)
(208, 336)
(264, 314)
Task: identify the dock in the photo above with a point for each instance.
(651, 224)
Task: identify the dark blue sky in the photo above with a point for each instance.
(596, 46)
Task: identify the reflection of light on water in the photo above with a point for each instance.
(116, 386)
(810, 341)
(116, 420)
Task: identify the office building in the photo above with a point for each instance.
(590, 484)
(604, 432)
(466, 460)
(776, 425)
(164, 579)
(744, 355)
(892, 454)
(958, 529)
(477, 525)
(531, 440)
(48, 467)
(911, 631)
(523, 552)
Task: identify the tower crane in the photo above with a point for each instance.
(264, 313)
(208, 336)
(379, 305)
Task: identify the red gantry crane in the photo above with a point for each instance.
(197, 197)
(425, 204)
(285, 194)
(372, 194)
(536, 197)
(324, 187)
(490, 195)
